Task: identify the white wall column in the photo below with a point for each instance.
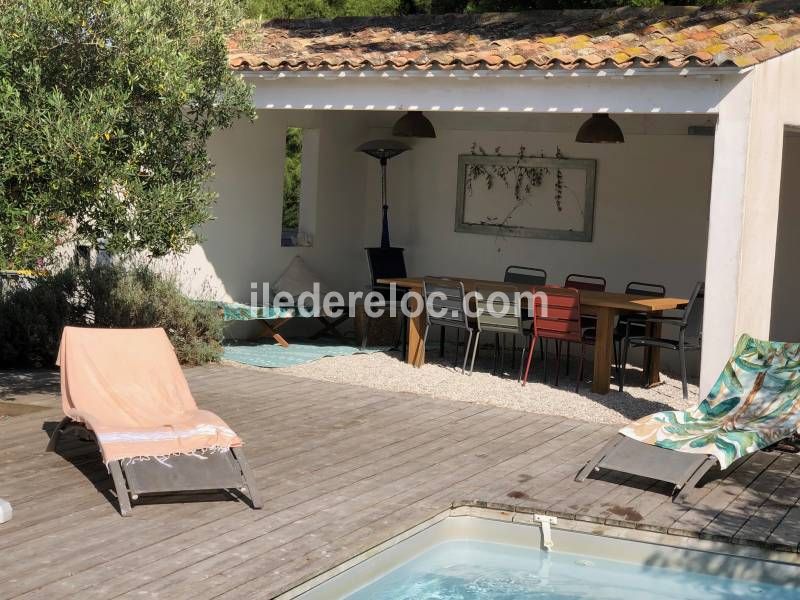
(744, 210)
(726, 215)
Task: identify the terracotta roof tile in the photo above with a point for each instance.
(743, 35)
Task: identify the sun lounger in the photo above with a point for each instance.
(755, 403)
(124, 389)
(296, 280)
(271, 318)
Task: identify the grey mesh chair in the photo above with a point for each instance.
(633, 324)
(445, 306)
(690, 334)
(498, 311)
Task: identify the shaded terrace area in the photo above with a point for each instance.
(341, 468)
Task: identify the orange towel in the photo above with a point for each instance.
(127, 387)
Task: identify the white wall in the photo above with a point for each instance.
(242, 243)
(745, 203)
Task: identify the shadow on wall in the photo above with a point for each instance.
(785, 326)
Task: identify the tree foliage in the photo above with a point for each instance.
(292, 172)
(105, 110)
(296, 9)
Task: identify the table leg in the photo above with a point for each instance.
(652, 358)
(415, 354)
(603, 351)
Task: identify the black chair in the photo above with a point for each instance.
(386, 263)
(690, 334)
(445, 306)
(526, 275)
(634, 323)
(584, 282)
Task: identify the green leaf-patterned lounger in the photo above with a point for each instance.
(754, 404)
(271, 317)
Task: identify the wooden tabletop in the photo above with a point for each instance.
(614, 300)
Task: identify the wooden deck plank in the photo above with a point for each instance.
(342, 468)
(768, 516)
(728, 522)
(697, 518)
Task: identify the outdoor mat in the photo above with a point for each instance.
(271, 355)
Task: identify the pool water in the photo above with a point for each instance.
(475, 570)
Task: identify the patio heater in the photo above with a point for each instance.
(383, 150)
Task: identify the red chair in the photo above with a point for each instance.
(559, 320)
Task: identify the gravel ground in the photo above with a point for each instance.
(439, 379)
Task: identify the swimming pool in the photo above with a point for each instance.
(473, 558)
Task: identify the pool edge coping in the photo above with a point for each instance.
(512, 514)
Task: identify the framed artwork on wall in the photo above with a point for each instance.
(525, 196)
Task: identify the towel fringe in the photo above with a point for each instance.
(199, 453)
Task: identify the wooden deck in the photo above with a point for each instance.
(342, 468)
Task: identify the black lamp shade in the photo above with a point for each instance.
(600, 129)
(383, 149)
(414, 124)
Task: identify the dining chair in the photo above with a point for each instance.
(633, 323)
(387, 263)
(445, 306)
(498, 310)
(689, 334)
(559, 320)
(527, 276)
(584, 282)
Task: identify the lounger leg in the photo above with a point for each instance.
(121, 488)
(592, 464)
(51, 445)
(691, 483)
(249, 480)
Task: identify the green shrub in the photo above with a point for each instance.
(104, 296)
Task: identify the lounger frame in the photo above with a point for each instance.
(683, 469)
(181, 473)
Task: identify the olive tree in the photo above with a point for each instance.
(105, 110)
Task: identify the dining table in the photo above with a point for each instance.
(605, 306)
